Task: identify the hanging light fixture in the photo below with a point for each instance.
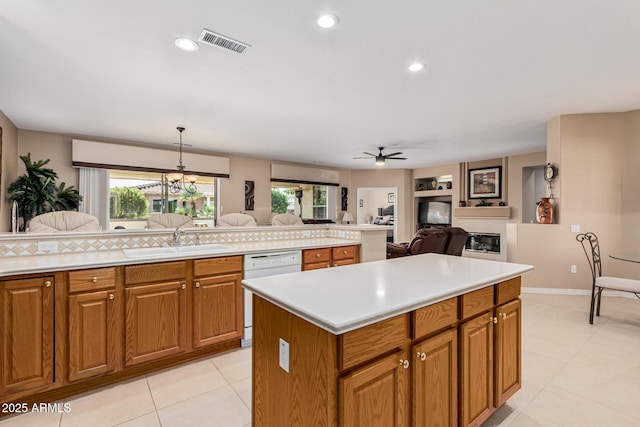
(179, 181)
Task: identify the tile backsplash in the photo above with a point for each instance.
(24, 244)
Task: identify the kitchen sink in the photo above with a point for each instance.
(167, 251)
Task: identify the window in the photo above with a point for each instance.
(133, 195)
(309, 201)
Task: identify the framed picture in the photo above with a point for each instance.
(391, 197)
(485, 183)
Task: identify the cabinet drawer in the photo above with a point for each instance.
(161, 272)
(214, 266)
(508, 290)
(370, 341)
(316, 255)
(94, 279)
(434, 317)
(345, 252)
(476, 302)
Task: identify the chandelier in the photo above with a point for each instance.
(179, 181)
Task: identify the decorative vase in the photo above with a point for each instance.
(544, 211)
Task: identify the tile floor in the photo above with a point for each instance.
(574, 374)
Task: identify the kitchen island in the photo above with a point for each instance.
(427, 339)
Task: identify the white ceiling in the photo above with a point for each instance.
(496, 72)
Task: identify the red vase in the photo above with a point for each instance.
(544, 211)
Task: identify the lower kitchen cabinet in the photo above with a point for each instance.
(95, 324)
(313, 259)
(155, 321)
(217, 313)
(27, 312)
(435, 380)
(376, 395)
(508, 351)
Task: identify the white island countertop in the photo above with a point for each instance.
(343, 299)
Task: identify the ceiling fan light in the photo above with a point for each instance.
(379, 161)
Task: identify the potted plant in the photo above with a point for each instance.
(36, 193)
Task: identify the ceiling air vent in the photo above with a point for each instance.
(224, 42)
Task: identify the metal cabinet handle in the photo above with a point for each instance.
(328, 265)
(47, 283)
(493, 319)
(183, 286)
(317, 255)
(94, 280)
(404, 363)
(503, 315)
(422, 356)
(335, 265)
(344, 252)
(111, 296)
(197, 284)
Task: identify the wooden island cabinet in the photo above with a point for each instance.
(449, 363)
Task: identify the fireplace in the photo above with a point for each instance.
(483, 242)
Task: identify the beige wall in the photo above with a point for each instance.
(514, 177)
(597, 182)
(44, 145)
(8, 169)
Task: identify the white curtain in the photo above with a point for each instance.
(94, 188)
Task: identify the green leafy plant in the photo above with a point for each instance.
(36, 192)
(127, 202)
(483, 202)
(279, 202)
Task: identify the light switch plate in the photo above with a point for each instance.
(284, 355)
(575, 228)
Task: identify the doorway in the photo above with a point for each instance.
(377, 205)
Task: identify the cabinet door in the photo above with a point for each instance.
(508, 351)
(93, 333)
(155, 321)
(217, 309)
(435, 380)
(376, 395)
(348, 261)
(27, 333)
(476, 372)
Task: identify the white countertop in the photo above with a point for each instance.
(79, 260)
(342, 299)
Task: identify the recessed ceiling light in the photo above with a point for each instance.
(186, 44)
(327, 20)
(416, 66)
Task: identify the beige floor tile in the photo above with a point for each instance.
(235, 365)
(614, 392)
(149, 420)
(183, 382)
(221, 407)
(110, 406)
(526, 420)
(565, 408)
(32, 419)
(243, 388)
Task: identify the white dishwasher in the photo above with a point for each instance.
(263, 265)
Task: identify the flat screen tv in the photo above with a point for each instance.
(434, 213)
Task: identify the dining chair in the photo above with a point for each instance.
(600, 282)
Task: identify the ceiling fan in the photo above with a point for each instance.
(381, 158)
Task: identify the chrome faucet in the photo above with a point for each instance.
(176, 236)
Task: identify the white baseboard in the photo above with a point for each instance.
(559, 291)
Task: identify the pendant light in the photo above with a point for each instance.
(178, 181)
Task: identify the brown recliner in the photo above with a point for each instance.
(457, 240)
(426, 240)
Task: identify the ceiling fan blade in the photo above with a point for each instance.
(361, 157)
(392, 154)
(364, 152)
(397, 158)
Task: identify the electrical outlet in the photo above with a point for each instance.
(284, 355)
(575, 228)
(574, 268)
(47, 246)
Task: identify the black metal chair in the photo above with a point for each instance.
(601, 282)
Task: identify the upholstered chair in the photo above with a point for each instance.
(426, 240)
(169, 220)
(53, 222)
(457, 240)
(236, 220)
(286, 219)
